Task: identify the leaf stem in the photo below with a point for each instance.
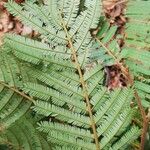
(145, 120)
(17, 91)
(123, 69)
(84, 86)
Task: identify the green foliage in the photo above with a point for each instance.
(75, 110)
(23, 135)
(135, 52)
(101, 52)
(12, 105)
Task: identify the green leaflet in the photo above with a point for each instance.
(28, 50)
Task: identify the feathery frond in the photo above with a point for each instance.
(136, 50)
(77, 111)
(23, 135)
(13, 104)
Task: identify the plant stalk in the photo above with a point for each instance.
(84, 86)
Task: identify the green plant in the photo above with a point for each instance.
(74, 108)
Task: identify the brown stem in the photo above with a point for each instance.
(84, 86)
(18, 92)
(145, 120)
(143, 114)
